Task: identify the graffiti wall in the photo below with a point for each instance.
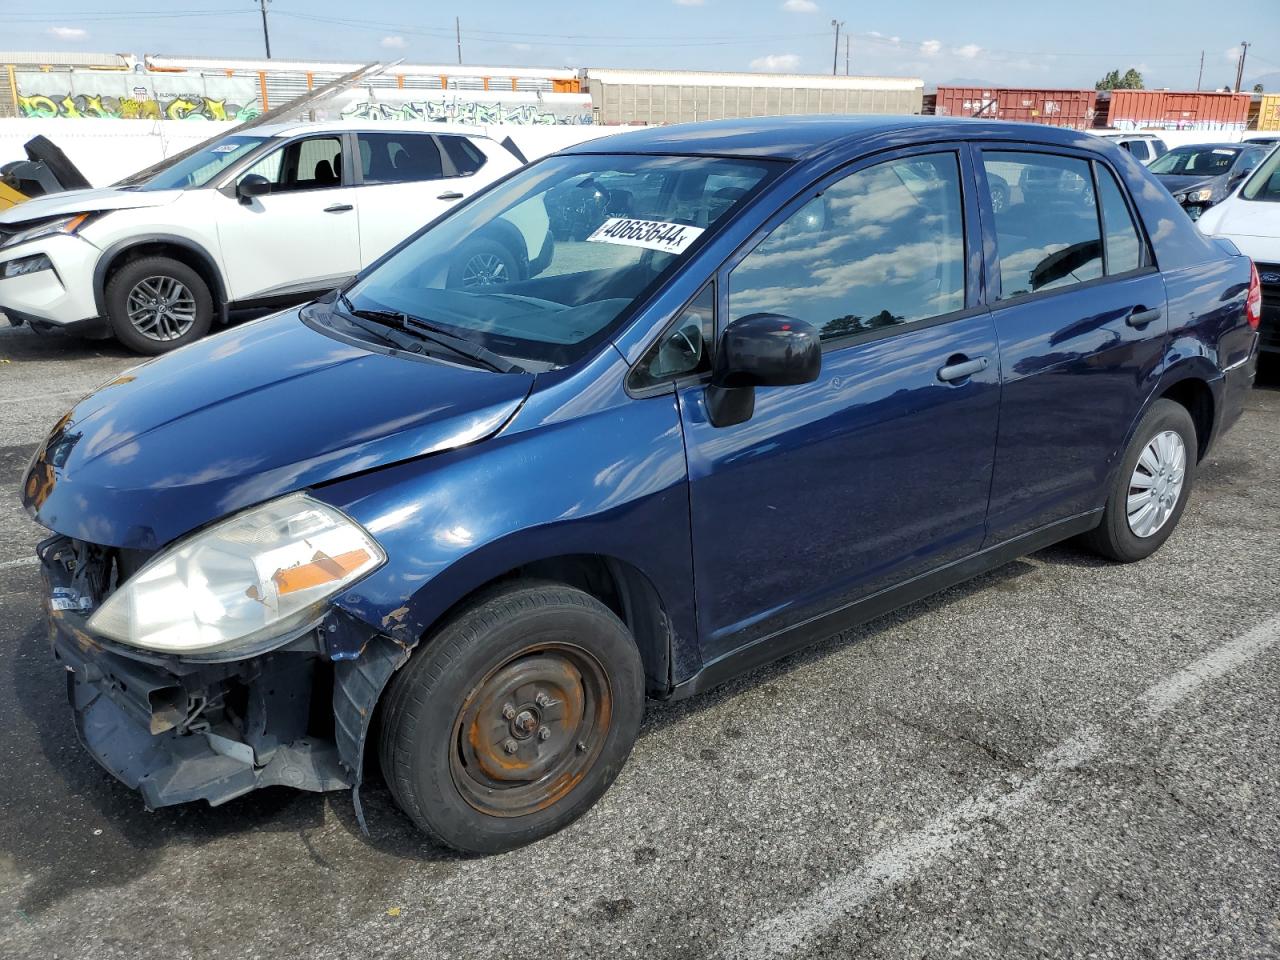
(134, 96)
(478, 108)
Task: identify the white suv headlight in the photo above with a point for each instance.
(242, 581)
(63, 225)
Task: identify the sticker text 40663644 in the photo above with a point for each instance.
(651, 234)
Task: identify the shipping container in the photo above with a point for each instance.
(1269, 112)
(1055, 108)
(678, 96)
(1171, 110)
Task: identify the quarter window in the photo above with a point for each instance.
(1124, 249)
(880, 248)
(1047, 232)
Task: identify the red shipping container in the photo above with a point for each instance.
(1056, 108)
(1163, 109)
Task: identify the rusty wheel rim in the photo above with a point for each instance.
(529, 732)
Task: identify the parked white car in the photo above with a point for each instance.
(1250, 218)
(269, 217)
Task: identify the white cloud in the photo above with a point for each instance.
(776, 63)
(68, 33)
(800, 6)
(394, 43)
(521, 46)
(968, 51)
(1231, 53)
(930, 48)
(689, 3)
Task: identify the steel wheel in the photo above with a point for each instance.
(531, 730)
(161, 308)
(484, 270)
(1156, 484)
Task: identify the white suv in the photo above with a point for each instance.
(268, 217)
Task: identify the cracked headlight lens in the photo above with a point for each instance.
(241, 582)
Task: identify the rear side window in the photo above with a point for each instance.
(1124, 248)
(399, 157)
(881, 248)
(1047, 232)
(463, 154)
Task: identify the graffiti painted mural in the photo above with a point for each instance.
(547, 109)
(126, 96)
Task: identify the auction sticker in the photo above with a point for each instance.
(651, 234)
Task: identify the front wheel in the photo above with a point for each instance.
(512, 721)
(1151, 488)
(483, 263)
(157, 304)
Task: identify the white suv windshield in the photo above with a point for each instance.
(199, 168)
(542, 266)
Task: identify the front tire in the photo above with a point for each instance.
(157, 304)
(512, 721)
(1151, 488)
(483, 263)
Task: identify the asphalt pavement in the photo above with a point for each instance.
(1063, 758)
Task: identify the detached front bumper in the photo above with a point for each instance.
(181, 729)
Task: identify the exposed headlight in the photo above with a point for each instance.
(241, 582)
(25, 265)
(1202, 195)
(67, 225)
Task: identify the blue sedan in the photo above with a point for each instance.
(773, 378)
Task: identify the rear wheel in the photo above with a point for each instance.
(511, 722)
(157, 304)
(1151, 488)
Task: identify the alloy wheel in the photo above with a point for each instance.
(484, 270)
(161, 308)
(1156, 484)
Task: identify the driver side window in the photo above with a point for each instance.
(684, 349)
(311, 164)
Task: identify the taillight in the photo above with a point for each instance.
(1253, 303)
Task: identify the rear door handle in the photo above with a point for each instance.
(1140, 317)
(450, 195)
(338, 208)
(962, 368)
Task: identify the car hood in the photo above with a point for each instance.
(1178, 183)
(1247, 218)
(86, 201)
(267, 408)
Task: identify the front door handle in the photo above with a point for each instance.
(450, 195)
(338, 208)
(1140, 317)
(961, 368)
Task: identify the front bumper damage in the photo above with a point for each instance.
(179, 729)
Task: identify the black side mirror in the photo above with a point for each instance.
(760, 350)
(252, 185)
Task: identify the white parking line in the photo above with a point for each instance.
(24, 562)
(911, 854)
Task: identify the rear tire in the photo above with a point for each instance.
(157, 304)
(514, 719)
(1160, 461)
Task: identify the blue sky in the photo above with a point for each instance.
(1022, 43)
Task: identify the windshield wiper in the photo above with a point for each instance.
(421, 329)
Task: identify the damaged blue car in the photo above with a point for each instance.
(786, 375)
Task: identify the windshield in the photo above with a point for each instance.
(1196, 161)
(542, 266)
(1265, 182)
(199, 168)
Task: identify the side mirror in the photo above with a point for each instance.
(252, 185)
(760, 350)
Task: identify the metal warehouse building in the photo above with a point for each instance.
(677, 96)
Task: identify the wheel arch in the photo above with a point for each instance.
(183, 250)
(1194, 393)
(510, 237)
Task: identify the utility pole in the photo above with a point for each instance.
(266, 37)
(1244, 49)
(1200, 75)
(846, 53)
(835, 54)
(457, 30)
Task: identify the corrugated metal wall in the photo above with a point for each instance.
(1056, 108)
(1269, 112)
(642, 103)
(1178, 111)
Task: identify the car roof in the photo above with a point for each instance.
(804, 137)
(293, 128)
